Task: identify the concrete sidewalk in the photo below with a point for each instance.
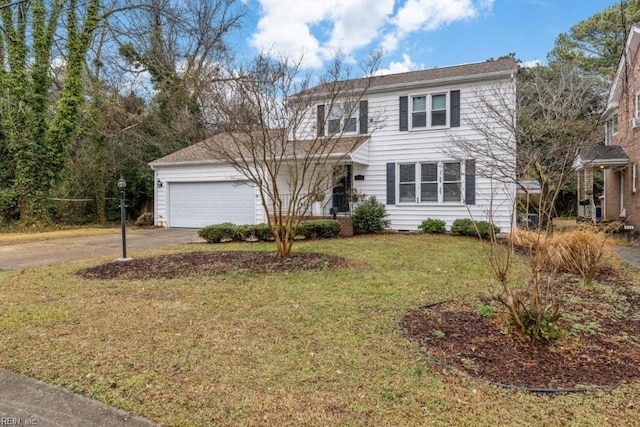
(630, 254)
(25, 401)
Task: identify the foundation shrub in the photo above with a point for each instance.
(469, 227)
(217, 233)
(433, 226)
(369, 216)
(324, 228)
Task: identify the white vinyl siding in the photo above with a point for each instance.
(388, 144)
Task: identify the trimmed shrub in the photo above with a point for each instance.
(219, 232)
(262, 232)
(145, 220)
(369, 216)
(326, 228)
(433, 226)
(469, 227)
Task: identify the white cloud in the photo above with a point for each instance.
(316, 30)
(531, 64)
(399, 67)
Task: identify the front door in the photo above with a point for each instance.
(342, 189)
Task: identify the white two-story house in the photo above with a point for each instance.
(436, 143)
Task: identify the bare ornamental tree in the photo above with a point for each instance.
(554, 111)
(287, 137)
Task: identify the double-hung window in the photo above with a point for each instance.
(342, 118)
(430, 182)
(451, 182)
(429, 111)
(407, 183)
(611, 128)
(439, 110)
(350, 117)
(334, 119)
(419, 111)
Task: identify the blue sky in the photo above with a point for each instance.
(414, 34)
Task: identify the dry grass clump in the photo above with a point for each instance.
(585, 251)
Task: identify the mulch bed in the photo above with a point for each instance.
(211, 263)
(601, 349)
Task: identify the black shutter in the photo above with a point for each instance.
(404, 113)
(391, 183)
(364, 117)
(320, 127)
(455, 108)
(470, 182)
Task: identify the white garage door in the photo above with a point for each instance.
(198, 204)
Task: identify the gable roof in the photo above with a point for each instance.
(600, 156)
(491, 69)
(626, 60)
(204, 152)
(478, 70)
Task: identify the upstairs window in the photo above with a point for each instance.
(611, 128)
(429, 111)
(350, 117)
(334, 119)
(419, 111)
(347, 117)
(439, 110)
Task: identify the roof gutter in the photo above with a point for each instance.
(446, 80)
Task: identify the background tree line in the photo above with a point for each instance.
(93, 89)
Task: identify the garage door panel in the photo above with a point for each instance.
(198, 204)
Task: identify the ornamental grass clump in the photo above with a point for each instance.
(585, 252)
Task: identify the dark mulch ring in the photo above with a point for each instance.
(211, 263)
(601, 347)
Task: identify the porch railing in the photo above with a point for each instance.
(285, 199)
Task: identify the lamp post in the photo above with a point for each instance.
(122, 185)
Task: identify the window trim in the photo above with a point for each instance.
(342, 116)
(636, 104)
(440, 182)
(429, 110)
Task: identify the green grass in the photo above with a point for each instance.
(321, 348)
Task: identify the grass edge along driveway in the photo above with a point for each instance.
(321, 348)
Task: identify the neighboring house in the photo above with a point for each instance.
(411, 159)
(618, 158)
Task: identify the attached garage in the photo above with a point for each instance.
(198, 204)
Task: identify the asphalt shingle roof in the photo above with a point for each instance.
(205, 150)
(202, 151)
(602, 152)
(504, 65)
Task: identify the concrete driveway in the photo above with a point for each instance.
(61, 251)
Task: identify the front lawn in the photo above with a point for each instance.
(287, 348)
